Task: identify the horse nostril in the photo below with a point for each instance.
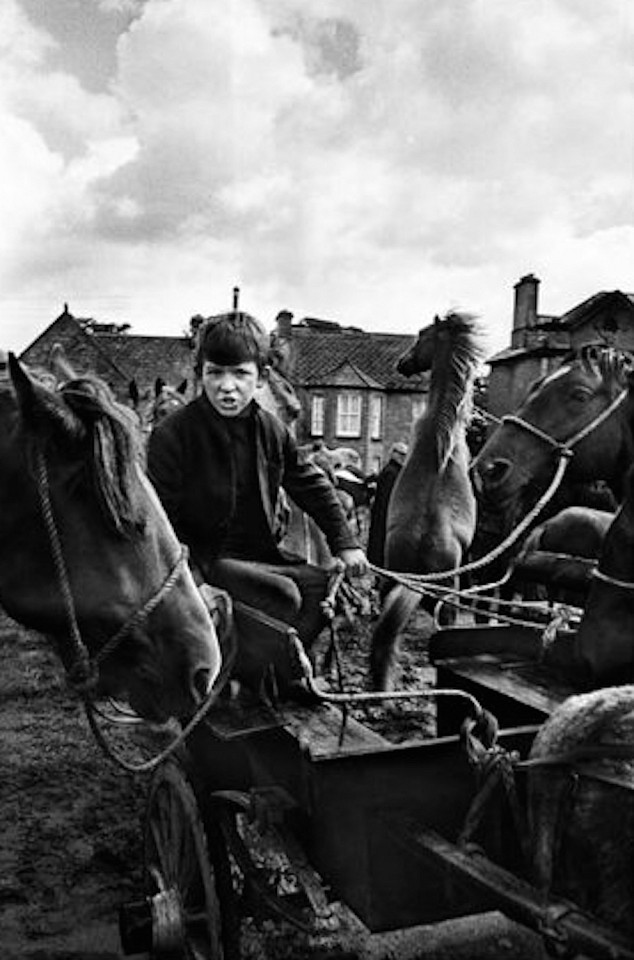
(202, 681)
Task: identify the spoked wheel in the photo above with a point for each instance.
(182, 885)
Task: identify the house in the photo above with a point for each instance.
(345, 377)
(539, 342)
(350, 391)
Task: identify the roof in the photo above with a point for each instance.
(320, 352)
(323, 354)
(580, 313)
(146, 357)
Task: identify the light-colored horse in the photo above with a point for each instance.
(432, 512)
(87, 555)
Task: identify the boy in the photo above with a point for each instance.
(218, 466)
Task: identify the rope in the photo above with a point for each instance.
(500, 548)
(83, 673)
(613, 581)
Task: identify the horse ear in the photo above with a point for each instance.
(159, 383)
(133, 392)
(60, 364)
(38, 406)
(182, 388)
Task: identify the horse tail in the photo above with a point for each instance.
(398, 607)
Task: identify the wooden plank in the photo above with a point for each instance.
(566, 924)
(525, 682)
(322, 731)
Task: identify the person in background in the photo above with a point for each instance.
(385, 481)
(218, 465)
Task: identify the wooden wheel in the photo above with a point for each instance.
(182, 887)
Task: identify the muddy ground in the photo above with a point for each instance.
(70, 851)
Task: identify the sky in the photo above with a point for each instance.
(372, 162)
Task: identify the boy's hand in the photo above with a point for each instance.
(355, 561)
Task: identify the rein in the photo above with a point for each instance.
(613, 581)
(83, 671)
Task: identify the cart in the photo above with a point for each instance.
(403, 834)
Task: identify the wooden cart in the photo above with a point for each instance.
(284, 810)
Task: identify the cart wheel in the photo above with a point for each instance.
(181, 883)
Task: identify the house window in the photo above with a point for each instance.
(349, 415)
(419, 405)
(376, 417)
(317, 416)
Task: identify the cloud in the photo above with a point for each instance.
(368, 161)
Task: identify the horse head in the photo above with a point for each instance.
(87, 554)
(578, 410)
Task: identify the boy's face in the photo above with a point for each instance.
(230, 389)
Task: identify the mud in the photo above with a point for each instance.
(70, 848)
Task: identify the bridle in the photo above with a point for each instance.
(83, 671)
(566, 447)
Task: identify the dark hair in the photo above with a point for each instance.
(230, 339)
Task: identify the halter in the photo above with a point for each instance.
(566, 447)
(83, 671)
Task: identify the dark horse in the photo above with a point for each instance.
(582, 411)
(87, 554)
(431, 515)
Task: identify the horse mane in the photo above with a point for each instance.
(451, 385)
(607, 363)
(111, 436)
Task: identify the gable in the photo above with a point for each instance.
(348, 375)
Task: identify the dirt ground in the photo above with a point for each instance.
(70, 851)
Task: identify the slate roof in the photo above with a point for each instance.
(318, 352)
(144, 358)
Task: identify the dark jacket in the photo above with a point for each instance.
(378, 513)
(190, 464)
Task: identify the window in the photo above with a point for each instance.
(317, 416)
(376, 464)
(419, 405)
(376, 417)
(349, 415)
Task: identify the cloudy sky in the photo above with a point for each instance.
(367, 161)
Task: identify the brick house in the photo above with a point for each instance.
(351, 394)
(539, 341)
(350, 391)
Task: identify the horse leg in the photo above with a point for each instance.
(400, 603)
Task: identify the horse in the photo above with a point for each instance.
(578, 415)
(578, 531)
(431, 515)
(155, 404)
(602, 652)
(87, 554)
(580, 803)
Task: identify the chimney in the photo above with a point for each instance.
(283, 323)
(525, 312)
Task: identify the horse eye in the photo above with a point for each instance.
(581, 394)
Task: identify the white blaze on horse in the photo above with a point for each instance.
(87, 554)
(431, 515)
